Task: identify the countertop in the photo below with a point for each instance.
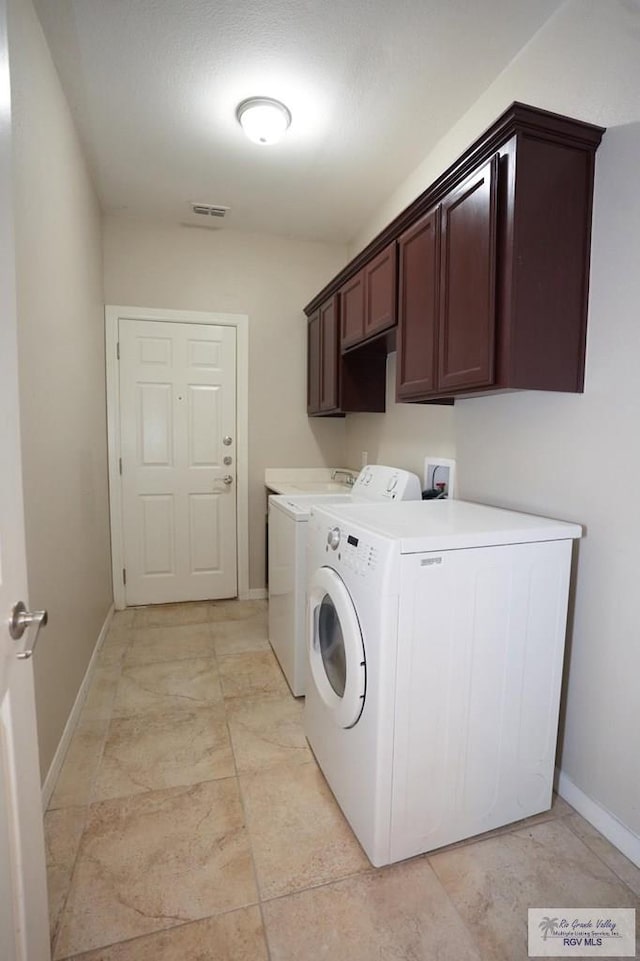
(305, 480)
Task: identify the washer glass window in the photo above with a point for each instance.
(336, 651)
(332, 647)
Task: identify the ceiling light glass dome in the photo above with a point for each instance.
(264, 120)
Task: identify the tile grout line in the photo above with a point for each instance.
(249, 839)
(466, 843)
(152, 934)
(53, 936)
(86, 807)
(370, 871)
(512, 830)
(601, 859)
(131, 630)
(467, 927)
(90, 802)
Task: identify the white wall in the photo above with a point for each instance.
(576, 457)
(61, 361)
(583, 62)
(403, 434)
(270, 279)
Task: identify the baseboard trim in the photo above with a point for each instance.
(254, 594)
(72, 721)
(605, 822)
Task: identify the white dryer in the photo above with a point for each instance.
(435, 639)
(288, 517)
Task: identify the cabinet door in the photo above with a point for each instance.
(380, 292)
(313, 363)
(467, 282)
(352, 311)
(419, 279)
(329, 343)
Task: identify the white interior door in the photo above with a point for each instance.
(24, 923)
(178, 449)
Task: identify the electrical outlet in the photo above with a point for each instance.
(364, 458)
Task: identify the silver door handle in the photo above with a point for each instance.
(21, 619)
(227, 480)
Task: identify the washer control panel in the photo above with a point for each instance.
(357, 554)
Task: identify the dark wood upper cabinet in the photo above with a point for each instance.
(418, 306)
(544, 241)
(313, 363)
(447, 292)
(368, 300)
(329, 343)
(492, 269)
(337, 384)
(380, 292)
(466, 343)
(323, 383)
(352, 311)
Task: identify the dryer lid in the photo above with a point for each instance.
(298, 506)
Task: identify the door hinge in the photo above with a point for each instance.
(124, 575)
(118, 350)
(120, 465)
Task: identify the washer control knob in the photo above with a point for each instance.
(333, 538)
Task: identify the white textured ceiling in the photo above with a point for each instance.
(371, 84)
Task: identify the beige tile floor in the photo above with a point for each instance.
(191, 823)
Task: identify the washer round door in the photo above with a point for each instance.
(336, 650)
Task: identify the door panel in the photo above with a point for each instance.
(205, 426)
(468, 282)
(352, 311)
(204, 354)
(380, 292)
(329, 336)
(177, 402)
(313, 364)
(204, 521)
(155, 425)
(418, 307)
(156, 534)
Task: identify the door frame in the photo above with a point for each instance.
(113, 315)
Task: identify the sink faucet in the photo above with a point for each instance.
(348, 476)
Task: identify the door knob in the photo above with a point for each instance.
(227, 441)
(227, 480)
(20, 620)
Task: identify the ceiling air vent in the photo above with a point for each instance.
(209, 210)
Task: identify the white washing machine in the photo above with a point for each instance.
(288, 517)
(435, 639)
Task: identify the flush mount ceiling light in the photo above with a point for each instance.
(263, 120)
